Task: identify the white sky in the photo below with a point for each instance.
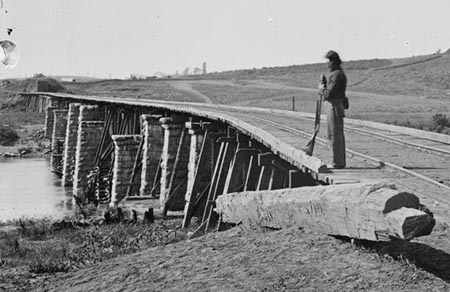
(111, 37)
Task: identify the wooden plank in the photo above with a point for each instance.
(214, 179)
(105, 134)
(238, 170)
(264, 177)
(136, 164)
(229, 152)
(365, 211)
(251, 181)
(191, 195)
(222, 166)
(173, 175)
(276, 179)
(157, 180)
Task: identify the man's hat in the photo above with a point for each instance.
(332, 55)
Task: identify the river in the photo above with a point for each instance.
(28, 188)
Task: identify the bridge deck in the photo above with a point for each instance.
(414, 160)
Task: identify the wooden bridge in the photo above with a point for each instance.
(197, 158)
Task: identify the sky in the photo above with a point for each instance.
(112, 38)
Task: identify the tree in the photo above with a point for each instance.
(197, 71)
(186, 71)
(8, 136)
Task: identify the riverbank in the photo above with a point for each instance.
(158, 257)
(31, 143)
(29, 127)
(33, 251)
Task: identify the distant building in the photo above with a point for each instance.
(67, 79)
(204, 67)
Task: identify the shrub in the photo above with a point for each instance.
(440, 123)
(8, 136)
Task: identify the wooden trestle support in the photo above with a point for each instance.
(111, 153)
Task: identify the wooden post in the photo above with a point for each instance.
(239, 169)
(226, 153)
(136, 168)
(175, 170)
(265, 162)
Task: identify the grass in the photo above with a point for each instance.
(8, 136)
(17, 119)
(47, 247)
(229, 93)
(243, 259)
(145, 89)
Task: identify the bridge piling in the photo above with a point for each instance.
(125, 150)
(87, 140)
(174, 161)
(49, 121)
(153, 136)
(90, 127)
(58, 137)
(70, 143)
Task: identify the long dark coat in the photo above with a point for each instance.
(334, 93)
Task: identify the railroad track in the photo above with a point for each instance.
(422, 144)
(440, 156)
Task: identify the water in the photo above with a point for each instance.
(28, 188)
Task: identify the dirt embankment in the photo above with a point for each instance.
(27, 125)
(264, 260)
(31, 143)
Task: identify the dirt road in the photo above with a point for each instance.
(187, 87)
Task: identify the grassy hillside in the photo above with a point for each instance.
(130, 88)
(426, 76)
(405, 91)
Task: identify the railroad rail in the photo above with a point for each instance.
(416, 160)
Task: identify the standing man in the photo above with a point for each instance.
(333, 91)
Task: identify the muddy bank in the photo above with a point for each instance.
(31, 143)
(33, 252)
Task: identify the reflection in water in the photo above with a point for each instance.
(28, 188)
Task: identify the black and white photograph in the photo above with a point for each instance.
(254, 145)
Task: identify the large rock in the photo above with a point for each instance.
(364, 211)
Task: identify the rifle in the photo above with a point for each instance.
(310, 146)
